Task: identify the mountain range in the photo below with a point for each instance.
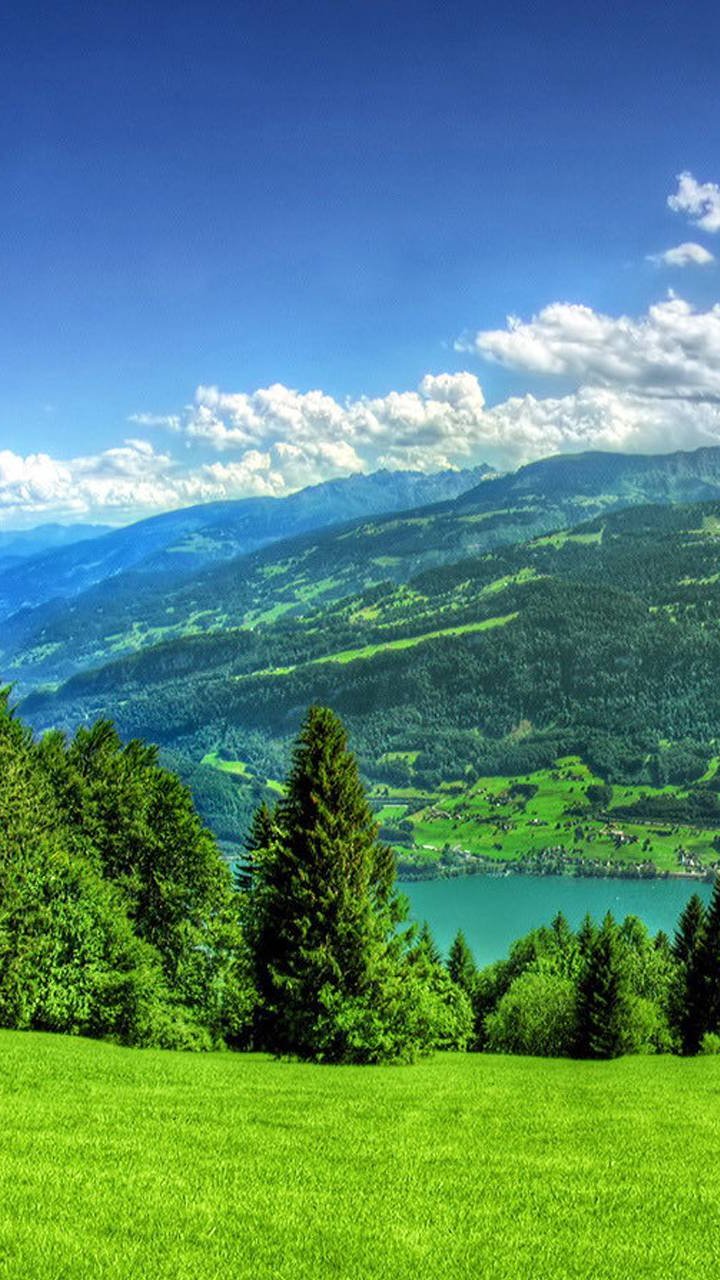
(182, 574)
(175, 544)
(571, 606)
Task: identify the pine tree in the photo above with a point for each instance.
(709, 964)
(586, 935)
(689, 930)
(689, 1002)
(427, 944)
(461, 963)
(603, 1001)
(324, 909)
(257, 842)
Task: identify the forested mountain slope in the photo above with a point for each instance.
(17, 543)
(138, 609)
(604, 640)
(167, 547)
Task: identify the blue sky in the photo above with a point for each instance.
(345, 198)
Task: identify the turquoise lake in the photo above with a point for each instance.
(493, 911)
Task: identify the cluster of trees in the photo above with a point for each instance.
(601, 991)
(120, 918)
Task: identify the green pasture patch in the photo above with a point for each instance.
(257, 618)
(492, 820)
(391, 813)
(527, 574)
(562, 537)
(237, 767)
(408, 642)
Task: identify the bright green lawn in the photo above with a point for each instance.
(469, 820)
(126, 1163)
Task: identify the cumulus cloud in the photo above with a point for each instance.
(673, 350)
(699, 201)
(649, 383)
(683, 255)
(169, 420)
(120, 484)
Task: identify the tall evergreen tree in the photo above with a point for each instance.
(257, 843)
(603, 999)
(586, 936)
(427, 944)
(318, 929)
(709, 964)
(334, 974)
(689, 929)
(461, 963)
(689, 1011)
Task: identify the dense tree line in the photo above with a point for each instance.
(602, 990)
(119, 918)
(118, 915)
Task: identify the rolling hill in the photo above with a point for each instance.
(601, 641)
(158, 601)
(170, 546)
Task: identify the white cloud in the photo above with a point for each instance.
(170, 421)
(673, 350)
(700, 201)
(683, 255)
(649, 383)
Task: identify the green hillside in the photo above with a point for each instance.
(156, 1164)
(151, 586)
(602, 642)
(165, 550)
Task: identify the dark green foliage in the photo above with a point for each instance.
(461, 963)
(603, 998)
(689, 929)
(337, 980)
(688, 1007)
(117, 915)
(709, 962)
(599, 795)
(586, 937)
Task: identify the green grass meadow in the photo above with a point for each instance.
(484, 818)
(129, 1163)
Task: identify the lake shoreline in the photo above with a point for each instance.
(508, 869)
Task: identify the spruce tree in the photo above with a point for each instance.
(323, 908)
(586, 935)
(257, 842)
(427, 944)
(689, 929)
(461, 963)
(709, 965)
(603, 999)
(689, 1002)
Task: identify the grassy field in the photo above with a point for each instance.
(489, 819)
(125, 1163)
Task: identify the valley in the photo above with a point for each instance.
(489, 678)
